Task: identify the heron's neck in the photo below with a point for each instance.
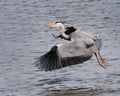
(63, 32)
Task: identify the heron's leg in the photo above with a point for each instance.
(97, 58)
(100, 61)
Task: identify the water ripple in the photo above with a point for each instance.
(23, 37)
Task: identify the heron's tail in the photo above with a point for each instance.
(97, 46)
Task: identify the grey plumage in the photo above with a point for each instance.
(80, 48)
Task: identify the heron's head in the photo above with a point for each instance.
(54, 24)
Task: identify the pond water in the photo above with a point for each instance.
(23, 37)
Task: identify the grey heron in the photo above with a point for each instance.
(80, 48)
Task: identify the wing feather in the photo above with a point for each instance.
(79, 50)
(63, 55)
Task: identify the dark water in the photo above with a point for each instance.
(23, 37)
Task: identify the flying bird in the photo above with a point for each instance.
(81, 46)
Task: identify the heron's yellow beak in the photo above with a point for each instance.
(50, 25)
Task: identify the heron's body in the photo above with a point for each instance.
(80, 48)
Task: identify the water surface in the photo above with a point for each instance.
(23, 37)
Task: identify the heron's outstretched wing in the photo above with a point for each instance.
(63, 55)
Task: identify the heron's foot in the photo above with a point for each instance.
(103, 63)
